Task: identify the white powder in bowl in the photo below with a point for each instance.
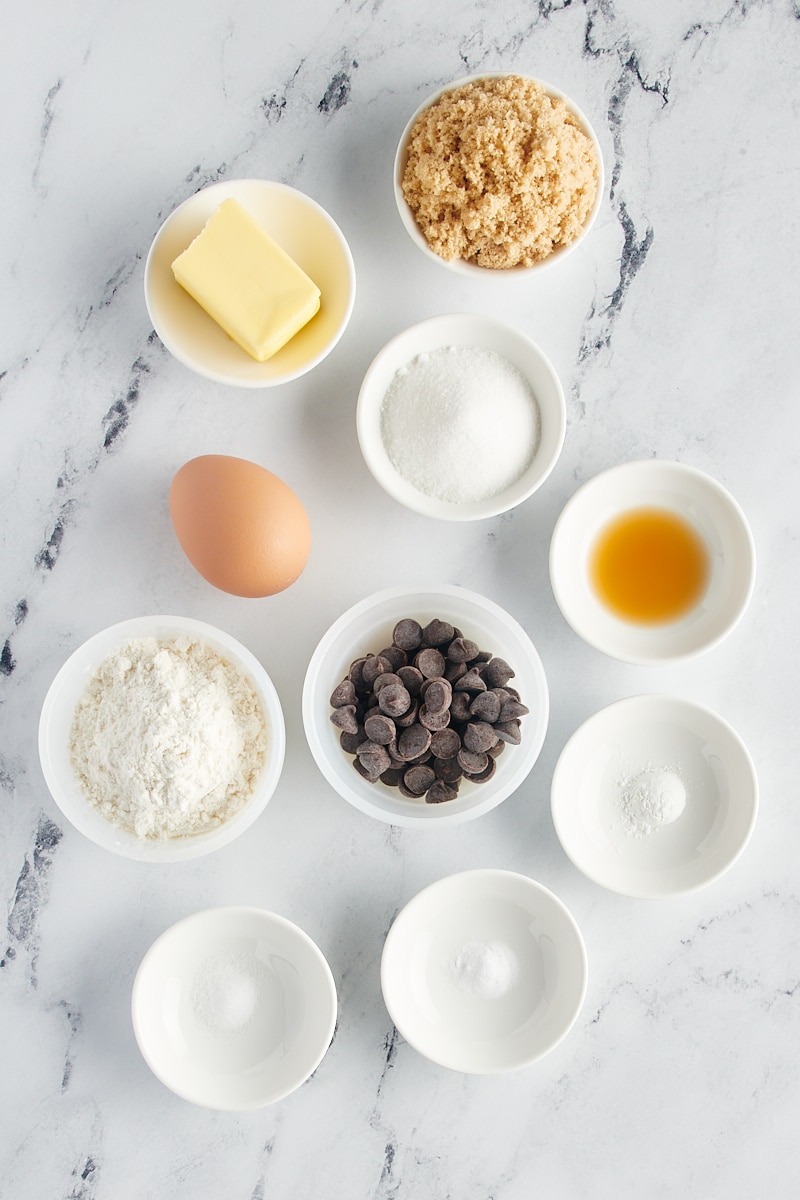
(485, 970)
(460, 423)
(226, 993)
(651, 799)
(168, 739)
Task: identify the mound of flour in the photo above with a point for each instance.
(168, 738)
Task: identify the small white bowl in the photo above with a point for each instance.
(526, 992)
(715, 516)
(304, 230)
(367, 628)
(459, 266)
(462, 329)
(233, 1008)
(654, 733)
(58, 712)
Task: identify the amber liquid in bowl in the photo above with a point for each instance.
(649, 565)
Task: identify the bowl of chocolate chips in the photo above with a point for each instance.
(425, 707)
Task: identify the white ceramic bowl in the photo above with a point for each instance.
(233, 1008)
(304, 230)
(58, 712)
(462, 329)
(367, 627)
(666, 859)
(715, 516)
(484, 972)
(459, 266)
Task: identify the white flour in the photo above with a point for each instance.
(168, 738)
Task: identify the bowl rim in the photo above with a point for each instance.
(78, 810)
(491, 331)
(324, 983)
(523, 883)
(664, 468)
(623, 706)
(233, 188)
(460, 266)
(430, 816)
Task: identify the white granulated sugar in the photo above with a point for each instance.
(460, 423)
(168, 738)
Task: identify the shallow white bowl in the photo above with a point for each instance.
(367, 628)
(459, 266)
(192, 1033)
(713, 513)
(462, 329)
(464, 1028)
(664, 733)
(58, 712)
(304, 230)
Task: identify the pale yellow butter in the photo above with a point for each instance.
(246, 282)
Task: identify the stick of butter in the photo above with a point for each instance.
(246, 282)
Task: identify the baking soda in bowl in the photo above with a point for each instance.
(460, 423)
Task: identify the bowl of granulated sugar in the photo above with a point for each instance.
(461, 417)
(162, 738)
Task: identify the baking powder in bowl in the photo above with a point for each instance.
(460, 423)
(169, 738)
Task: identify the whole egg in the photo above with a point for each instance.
(239, 525)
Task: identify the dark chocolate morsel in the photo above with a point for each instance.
(437, 633)
(345, 718)
(439, 792)
(407, 634)
(419, 779)
(479, 737)
(380, 729)
(498, 672)
(445, 743)
(343, 693)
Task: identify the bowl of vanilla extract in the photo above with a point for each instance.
(652, 562)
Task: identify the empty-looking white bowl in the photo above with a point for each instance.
(484, 972)
(234, 1008)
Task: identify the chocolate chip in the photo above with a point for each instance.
(486, 707)
(434, 720)
(472, 763)
(419, 779)
(461, 650)
(437, 633)
(351, 741)
(439, 792)
(459, 707)
(454, 671)
(343, 693)
(394, 700)
(482, 776)
(497, 749)
(356, 673)
(373, 758)
(511, 709)
(430, 662)
(382, 681)
(380, 729)
(509, 732)
(478, 736)
(471, 682)
(408, 717)
(407, 634)
(411, 679)
(447, 769)
(437, 694)
(395, 656)
(413, 741)
(391, 777)
(345, 718)
(445, 743)
(498, 672)
(374, 666)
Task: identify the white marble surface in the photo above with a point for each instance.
(675, 331)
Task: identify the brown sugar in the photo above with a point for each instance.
(500, 174)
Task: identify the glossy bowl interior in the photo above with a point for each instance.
(489, 1022)
(308, 235)
(234, 1008)
(707, 507)
(462, 329)
(58, 712)
(645, 733)
(459, 266)
(367, 627)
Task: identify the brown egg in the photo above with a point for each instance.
(239, 525)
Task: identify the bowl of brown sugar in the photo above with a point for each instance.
(498, 173)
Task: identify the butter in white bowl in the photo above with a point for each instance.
(243, 279)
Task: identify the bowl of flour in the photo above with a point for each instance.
(162, 738)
